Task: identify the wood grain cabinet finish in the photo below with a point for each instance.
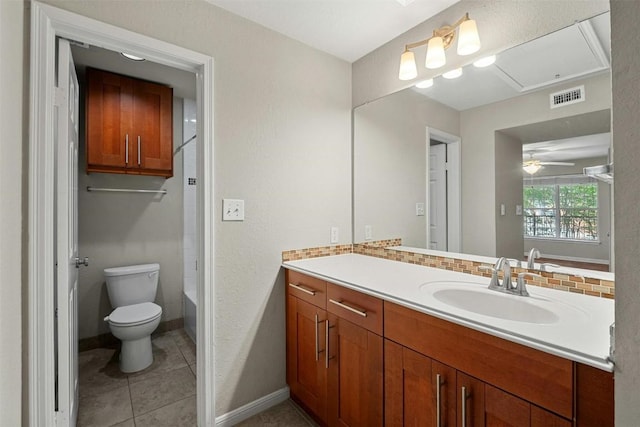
(129, 125)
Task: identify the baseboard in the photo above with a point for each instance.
(250, 409)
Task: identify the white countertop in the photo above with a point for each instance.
(582, 338)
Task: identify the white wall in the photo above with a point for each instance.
(282, 143)
(188, 155)
(390, 164)
(118, 229)
(625, 39)
(13, 136)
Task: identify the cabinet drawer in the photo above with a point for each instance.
(536, 376)
(356, 307)
(307, 288)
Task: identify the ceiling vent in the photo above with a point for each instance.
(567, 97)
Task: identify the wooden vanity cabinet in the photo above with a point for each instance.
(334, 358)
(129, 125)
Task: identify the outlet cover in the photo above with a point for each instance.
(232, 210)
(368, 232)
(335, 235)
(419, 209)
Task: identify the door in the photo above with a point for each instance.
(66, 202)
(355, 396)
(438, 197)
(306, 360)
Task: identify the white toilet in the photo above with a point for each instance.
(132, 290)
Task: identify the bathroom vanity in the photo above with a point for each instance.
(373, 342)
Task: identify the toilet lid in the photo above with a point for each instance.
(135, 314)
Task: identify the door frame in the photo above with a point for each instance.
(454, 193)
(47, 23)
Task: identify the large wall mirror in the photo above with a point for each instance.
(441, 167)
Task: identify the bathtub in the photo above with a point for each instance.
(190, 304)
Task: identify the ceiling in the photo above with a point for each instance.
(577, 51)
(348, 29)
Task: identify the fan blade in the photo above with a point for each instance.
(558, 163)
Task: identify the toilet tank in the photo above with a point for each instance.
(132, 284)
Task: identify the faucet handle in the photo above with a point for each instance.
(494, 284)
(521, 285)
(545, 265)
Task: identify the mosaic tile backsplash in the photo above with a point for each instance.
(380, 249)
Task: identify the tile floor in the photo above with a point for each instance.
(164, 394)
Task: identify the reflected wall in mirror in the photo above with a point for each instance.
(492, 113)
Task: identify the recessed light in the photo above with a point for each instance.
(485, 62)
(132, 57)
(424, 84)
(453, 74)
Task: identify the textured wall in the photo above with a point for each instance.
(390, 172)
(626, 156)
(282, 143)
(13, 100)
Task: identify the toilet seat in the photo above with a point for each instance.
(136, 314)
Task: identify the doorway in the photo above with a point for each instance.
(48, 23)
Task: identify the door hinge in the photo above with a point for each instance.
(59, 97)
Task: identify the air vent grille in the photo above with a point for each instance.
(567, 97)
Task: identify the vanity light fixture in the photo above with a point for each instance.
(424, 84)
(485, 62)
(468, 43)
(453, 74)
(132, 57)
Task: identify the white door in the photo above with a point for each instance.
(438, 197)
(66, 234)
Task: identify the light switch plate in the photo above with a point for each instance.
(368, 232)
(335, 235)
(232, 210)
(419, 209)
(518, 209)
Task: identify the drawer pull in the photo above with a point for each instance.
(126, 149)
(358, 311)
(305, 290)
(464, 406)
(327, 328)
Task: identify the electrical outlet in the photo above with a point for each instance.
(518, 209)
(419, 209)
(335, 235)
(368, 232)
(232, 210)
(503, 209)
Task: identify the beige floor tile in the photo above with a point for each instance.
(181, 413)
(186, 345)
(106, 409)
(160, 390)
(98, 371)
(194, 369)
(128, 423)
(166, 357)
(284, 414)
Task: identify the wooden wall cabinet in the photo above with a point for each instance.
(129, 126)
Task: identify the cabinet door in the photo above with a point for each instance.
(306, 371)
(153, 128)
(109, 113)
(542, 418)
(470, 401)
(355, 375)
(505, 410)
(409, 399)
(443, 381)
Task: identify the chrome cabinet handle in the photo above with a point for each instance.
(464, 406)
(438, 384)
(126, 149)
(138, 150)
(358, 311)
(305, 290)
(317, 349)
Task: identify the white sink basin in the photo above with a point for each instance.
(477, 298)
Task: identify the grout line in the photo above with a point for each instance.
(163, 406)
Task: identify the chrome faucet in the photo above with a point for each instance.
(533, 254)
(504, 264)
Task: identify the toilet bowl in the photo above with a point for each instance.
(132, 290)
(133, 325)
